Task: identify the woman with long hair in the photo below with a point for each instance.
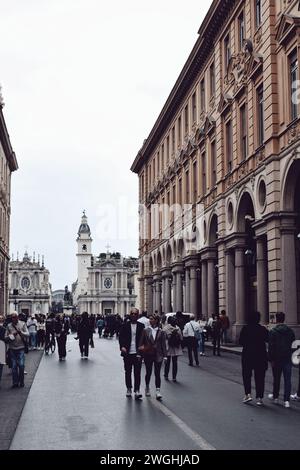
(154, 350)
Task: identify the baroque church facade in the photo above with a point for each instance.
(29, 286)
(106, 284)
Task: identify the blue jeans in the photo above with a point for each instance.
(18, 365)
(33, 339)
(201, 343)
(284, 367)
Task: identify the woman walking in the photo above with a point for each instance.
(174, 349)
(41, 333)
(154, 350)
(253, 338)
(85, 330)
(62, 327)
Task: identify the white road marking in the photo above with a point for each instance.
(196, 438)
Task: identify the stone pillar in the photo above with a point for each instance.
(179, 292)
(187, 290)
(149, 304)
(262, 280)
(167, 291)
(289, 281)
(240, 290)
(157, 289)
(211, 287)
(178, 297)
(230, 286)
(193, 291)
(191, 265)
(204, 309)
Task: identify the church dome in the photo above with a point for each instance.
(84, 226)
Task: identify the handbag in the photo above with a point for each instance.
(148, 349)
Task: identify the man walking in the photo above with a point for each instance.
(17, 335)
(192, 334)
(225, 327)
(281, 338)
(129, 340)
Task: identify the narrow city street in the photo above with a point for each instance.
(82, 405)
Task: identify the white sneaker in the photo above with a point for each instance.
(138, 395)
(128, 393)
(147, 392)
(259, 402)
(158, 394)
(247, 399)
(287, 404)
(271, 397)
(295, 397)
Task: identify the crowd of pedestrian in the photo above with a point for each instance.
(157, 341)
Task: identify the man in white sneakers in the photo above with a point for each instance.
(192, 334)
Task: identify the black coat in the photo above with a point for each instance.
(125, 335)
(85, 330)
(253, 338)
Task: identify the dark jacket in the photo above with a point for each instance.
(253, 338)
(2, 333)
(125, 335)
(281, 338)
(159, 344)
(62, 327)
(85, 330)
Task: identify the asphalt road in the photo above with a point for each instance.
(82, 405)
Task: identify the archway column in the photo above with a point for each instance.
(204, 309)
(289, 275)
(166, 276)
(262, 279)
(192, 264)
(240, 288)
(157, 292)
(149, 302)
(178, 271)
(187, 296)
(209, 300)
(230, 285)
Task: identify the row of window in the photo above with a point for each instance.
(158, 163)
(190, 110)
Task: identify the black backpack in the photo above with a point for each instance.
(174, 339)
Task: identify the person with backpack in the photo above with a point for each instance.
(192, 334)
(281, 339)
(174, 349)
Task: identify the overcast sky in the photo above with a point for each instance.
(83, 83)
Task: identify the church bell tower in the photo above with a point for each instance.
(84, 255)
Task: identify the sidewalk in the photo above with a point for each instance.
(12, 401)
(232, 348)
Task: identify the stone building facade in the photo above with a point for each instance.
(8, 164)
(106, 284)
(29, 286)
(226, 150)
